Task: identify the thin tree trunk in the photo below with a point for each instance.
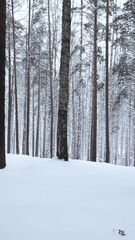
(51, 76)
(25, 104)
(15, 80)
(39, 102)
(126, 151)
(28, 84)
(130, 125)
(24, 130)
(82, 140)
(33, 123)
(9, 93)
(55, 81)
(44, 136)
(78, 141)
(116, 139)
(80, 98)
(2, 82)
(134, 125)
(93, 150)
(45, 120)
(13, 115)
(106, 84)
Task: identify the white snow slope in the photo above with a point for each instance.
(49, 199)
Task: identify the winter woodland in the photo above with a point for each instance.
(70, 79)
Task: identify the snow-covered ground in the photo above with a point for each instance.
(56, 200)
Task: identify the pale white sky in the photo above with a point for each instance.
(21, 11)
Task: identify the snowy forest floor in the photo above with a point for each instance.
(49, 199)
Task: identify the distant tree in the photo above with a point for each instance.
(93, 149)
(15, 66)
(2, 82)
(106, 85)
(39, 80)
(51, 80)
(80, 97)
(62, 142)
(28, 82)
(123, 131)
(9, 82)
(38, 106)
(15, 82)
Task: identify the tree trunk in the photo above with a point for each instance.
(24, 130)
(33, 123)
(62, 141)
(106, 85)
(15, 80)
(2, 82)
(80, 97)
(28, 84)
(39, 103)
(25, 104)
(93, 150)
(9, 93)
(51, 76)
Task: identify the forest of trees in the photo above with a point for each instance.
(70, 79)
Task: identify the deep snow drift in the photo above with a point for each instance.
(56, 200)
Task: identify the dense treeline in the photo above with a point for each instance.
(100, 86)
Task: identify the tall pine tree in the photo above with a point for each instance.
(62, 142)
(2, 82)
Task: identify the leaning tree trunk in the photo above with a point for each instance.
(2, 82)
(62, 144)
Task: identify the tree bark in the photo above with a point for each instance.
(9, 92)
(51, 76)
(106, 85)
(93, 149)
(62, 141)
(39, 107)
(15, 81)
(28, 84)
(2, 82)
